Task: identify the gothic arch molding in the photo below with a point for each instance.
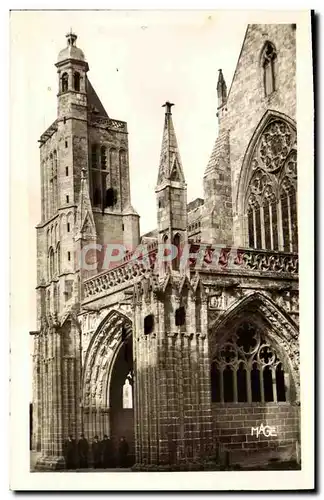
(101, 354)
(279, 330)
(245, 170)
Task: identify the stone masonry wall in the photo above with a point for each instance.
(217, 224)
(247, 103)
(232, 423)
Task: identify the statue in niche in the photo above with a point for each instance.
(127, 394)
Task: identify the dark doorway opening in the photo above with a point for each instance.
(122, 400)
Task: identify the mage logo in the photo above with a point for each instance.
(266, 430)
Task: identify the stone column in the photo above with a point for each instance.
(37, 400)
(161, 384)
(65, 398)
(138, 416)
(59, 438)
(205, 389)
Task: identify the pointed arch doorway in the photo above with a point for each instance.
(107, 382)
(120, 397)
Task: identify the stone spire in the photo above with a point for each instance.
(85, 224)
(221, 89)
(170, 168)
(171, 192)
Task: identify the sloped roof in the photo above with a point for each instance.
(218, 151)
(94, 103)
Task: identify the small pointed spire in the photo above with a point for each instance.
(84, 208)
(170, 162)
(221, 89)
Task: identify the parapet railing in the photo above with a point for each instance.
(109, 123)
(49, 132)
(245, 258)
(201, 258)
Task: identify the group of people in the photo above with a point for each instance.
(98, 454)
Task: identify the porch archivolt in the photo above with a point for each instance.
(259, 309)
(103, 348)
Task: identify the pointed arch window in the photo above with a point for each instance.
(103, 194)
(269, 60)
(76, 81)
(58, 258)
(65, 82)
(51, 263)
(176, 259)
(271, 200)
(180, 316)
(166, 263)
(246, 368)
(148, 324)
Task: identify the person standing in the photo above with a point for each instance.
(69, 453)
(107, 452)
(123, 452)
(96, 452)
(83, 450)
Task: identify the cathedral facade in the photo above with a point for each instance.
(191, 353)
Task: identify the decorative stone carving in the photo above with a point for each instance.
(294, 301)
(216, 301)
(213, 314)
(275, 145)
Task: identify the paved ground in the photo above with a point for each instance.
(34, 457)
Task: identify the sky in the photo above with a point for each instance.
(137, 61)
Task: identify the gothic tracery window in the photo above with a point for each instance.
(271, 196)
(269, 58)
(246, 368)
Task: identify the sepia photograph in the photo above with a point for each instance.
(165, 204)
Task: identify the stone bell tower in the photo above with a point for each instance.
(85, 193)
(170, 345)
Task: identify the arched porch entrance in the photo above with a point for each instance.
(107, 382)
(121, 406)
